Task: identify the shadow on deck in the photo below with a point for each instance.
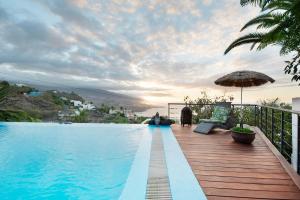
(228, 170)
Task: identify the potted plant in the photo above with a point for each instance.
(242, 135)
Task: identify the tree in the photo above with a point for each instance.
(202, 107)
(278, 24)
(81, 118)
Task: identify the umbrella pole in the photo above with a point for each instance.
(241, 115)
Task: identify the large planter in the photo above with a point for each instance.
(245, 138)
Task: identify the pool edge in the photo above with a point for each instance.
(136, 183)
(183, 182)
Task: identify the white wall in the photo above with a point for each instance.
(296, 107)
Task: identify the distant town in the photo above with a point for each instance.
(20, 102)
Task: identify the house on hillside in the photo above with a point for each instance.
(63, 98)
(76, 103)
(83, 106)
(115, 111)
(20, 85)
(88, 106)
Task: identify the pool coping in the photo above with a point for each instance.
(183, 182)
(136, 183)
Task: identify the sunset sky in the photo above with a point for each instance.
(157, 50)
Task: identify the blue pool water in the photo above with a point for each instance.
(87, 161)
(34, 93)
(78, 161)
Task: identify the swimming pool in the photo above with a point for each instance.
(82, 161)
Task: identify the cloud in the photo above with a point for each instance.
(207, 2)
(149, 46)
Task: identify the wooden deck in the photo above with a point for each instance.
(227, 170)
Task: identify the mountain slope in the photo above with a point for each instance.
(99, 96)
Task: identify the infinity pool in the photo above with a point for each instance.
(78, 161)
(90, 161)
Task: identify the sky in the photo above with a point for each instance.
(157, 50)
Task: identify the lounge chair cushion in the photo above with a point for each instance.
(211, 121)
(220, 114)
(204, 128)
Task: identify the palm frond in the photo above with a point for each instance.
(278, 5)
(247, 39)
(265, 18)
(253, 46)
(261, 3)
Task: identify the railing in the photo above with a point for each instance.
(276, 123)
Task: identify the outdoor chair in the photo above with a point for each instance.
(186, 116)
(222, 117)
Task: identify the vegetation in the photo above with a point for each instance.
(242, 130)
(52, 105)
(139, 120)
(104, 109)
(118, 118)
(277, 24)
(81, 118)
(202, 111)
(254, 116)
(17, 116)
(57, 100)
(276, 103)
(264, 121)
(11, 90)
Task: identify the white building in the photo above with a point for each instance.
(88, 106)
(76, 103)
(20, 85)
(114, 111)
(63, 98)
(83, 106)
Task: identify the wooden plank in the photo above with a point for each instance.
(243, 174)
(252, 194)
(211, 197)
(286, 165)
(225, 162)
(228, 170)
(234, 165)
(249, 186)
(238, 169)
(240, 158)
(259, 181)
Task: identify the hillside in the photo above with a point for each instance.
(19, 102)
(14, 101)
(99, 97)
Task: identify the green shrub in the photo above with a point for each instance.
(242, 130)
(81, 118)
(201, 111)
(17, 116)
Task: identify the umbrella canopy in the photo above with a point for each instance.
(244, 79)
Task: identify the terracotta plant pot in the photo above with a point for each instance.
(245, 138)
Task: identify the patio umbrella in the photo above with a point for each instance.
(243, 79)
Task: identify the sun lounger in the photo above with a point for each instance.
(222, 117)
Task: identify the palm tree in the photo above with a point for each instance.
(278, 24)
(261, 3)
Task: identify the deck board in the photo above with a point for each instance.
(228, 170)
